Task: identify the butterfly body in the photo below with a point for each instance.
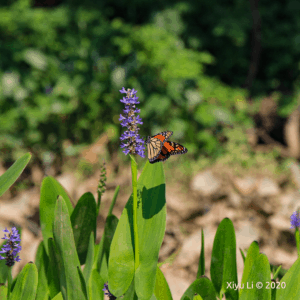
(160, 149)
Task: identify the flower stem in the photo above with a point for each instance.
(297, 236)
(135, 227)
(9, 283)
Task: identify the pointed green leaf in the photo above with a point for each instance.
(54, 269)
(151, 219)
(106, 240)
(3, 291)
(11, 175)
(42, 262)
(26, 284)
(58, 297)
(50, 190)
(121, 259)
(71, 284)
(162, 290)
(89, 259)
(83, 221)
(201, 286)
(151, 226)
(201, 264)
(95, 286)
(289, 287)
(223, 262)
(130, 294)
(256, 276)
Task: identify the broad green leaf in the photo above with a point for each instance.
(121, 259)
(151, 219)
(50, 190)
(72, 285)
(3, 291)
(223, 262)
(83, 221)
(201, 286)
(151, 226)
(42, 263)
(104, 267)
(256, 276)
(95, 286)
(162, 290)
(289, 287)
(54, 269)
(83, 282)
(89, 258)
(58, 297)
(104, 248)
(11, 175)
(130, 294)
(26, 284)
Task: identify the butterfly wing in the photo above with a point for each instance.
(155, 144)
(174, 148)
(169, 148)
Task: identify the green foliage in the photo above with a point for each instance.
(11, 175)
(69, 243)
(226, 31)
(237, 155)
(62, 68)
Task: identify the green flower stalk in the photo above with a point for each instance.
(134, 145)
(101, 185)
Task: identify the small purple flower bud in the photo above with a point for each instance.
(11, 248)
(108, 293)
(135, 143)
(295, 219)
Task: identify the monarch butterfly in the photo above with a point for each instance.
(160, 149)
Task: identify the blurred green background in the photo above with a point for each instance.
(196, 65)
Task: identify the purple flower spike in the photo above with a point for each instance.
(11, 248)
(295, 220)
(134, 144)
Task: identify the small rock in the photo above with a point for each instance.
(280, 222)
(235, 199)
(267, 187)
(205, 183)
(190, 250)
(289, 203)
(246, 234)
(245, 185)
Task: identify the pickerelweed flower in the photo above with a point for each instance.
(11, 248)
(295, 219)
(134, 144)
(108, 293)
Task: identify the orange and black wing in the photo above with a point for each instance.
(155, 144)
(169, 148)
